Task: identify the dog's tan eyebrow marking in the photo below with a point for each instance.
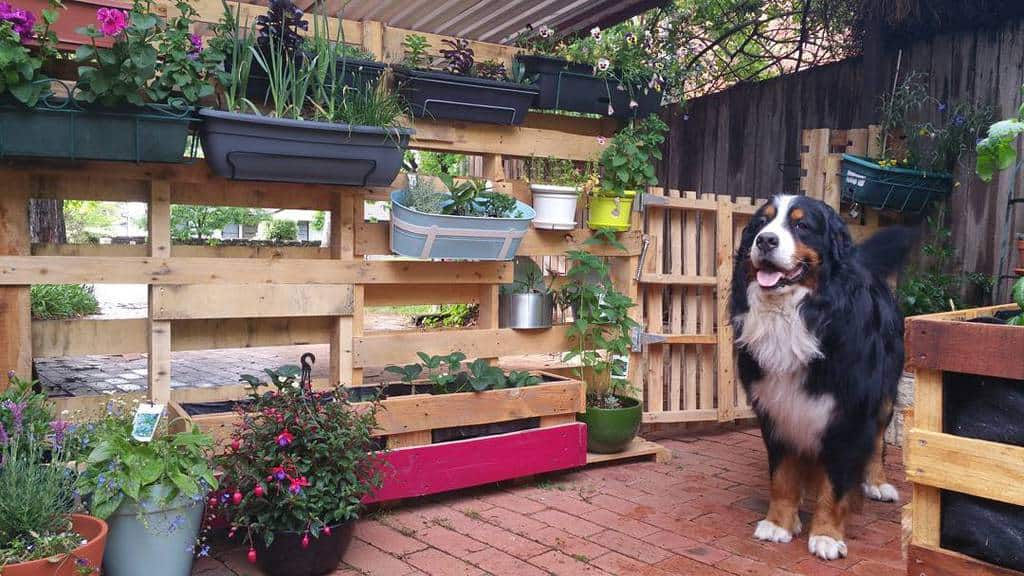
(769, 211)
(796, 214)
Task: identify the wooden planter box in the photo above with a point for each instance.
(941, 348)
(418, 467)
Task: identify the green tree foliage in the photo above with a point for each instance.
(82, 217)
(284, 231)
(189, 221)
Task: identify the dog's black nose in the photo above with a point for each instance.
(767, 241)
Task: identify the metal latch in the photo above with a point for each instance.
(645, 243)
(640, 339)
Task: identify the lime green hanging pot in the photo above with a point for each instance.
(611, 212)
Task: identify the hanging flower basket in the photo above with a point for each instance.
(611, 212)
(250, 147)
(61, 127)
(573, 87)
(866, 182)
(420, 235)
(449, 96)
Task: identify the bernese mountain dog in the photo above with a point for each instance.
(819, 341)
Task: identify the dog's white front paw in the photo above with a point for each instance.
(826, 547)
(881, 492)
(772, 532)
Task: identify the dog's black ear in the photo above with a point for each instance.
(840, 242)
(747, 239)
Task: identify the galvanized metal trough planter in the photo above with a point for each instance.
(427, 236)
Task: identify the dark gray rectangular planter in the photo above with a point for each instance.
(449, 96)
(61, 130)
(251, 147)
(420, 235)
(573, 87)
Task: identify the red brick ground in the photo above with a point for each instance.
(693, 515)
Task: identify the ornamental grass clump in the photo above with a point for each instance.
(300, 462)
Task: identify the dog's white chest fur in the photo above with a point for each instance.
(776, 336)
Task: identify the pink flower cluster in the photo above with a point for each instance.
(112, 21)
(21, 20)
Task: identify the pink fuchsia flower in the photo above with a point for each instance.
(285, 438)
(21, 21)
(298, 484)
(112, 21)
(278, 473)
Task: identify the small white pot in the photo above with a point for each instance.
(555, 206)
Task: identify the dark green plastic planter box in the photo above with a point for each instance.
(611, 430)
(901, 189)
(151, 134)
(439, 95)
(355, 73)
(572, 87)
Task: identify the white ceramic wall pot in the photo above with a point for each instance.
(555, 206)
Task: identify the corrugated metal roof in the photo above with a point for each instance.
(485, 20)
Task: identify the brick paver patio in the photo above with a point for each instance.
(693, 515)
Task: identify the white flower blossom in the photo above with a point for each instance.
(545, 32)
(603, 64)
(596, 32)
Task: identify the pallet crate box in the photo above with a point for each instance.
(940, 347)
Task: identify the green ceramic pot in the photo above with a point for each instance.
(610, 430)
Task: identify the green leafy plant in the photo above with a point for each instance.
(483, 376)
(143, 42)
(558, 172)
(59, 301)
(300, 462)
(450, 316)
(446, 378)
(628, 161)
(283, 231)
(601, 328)
(408, 373)
(120, 469)
(998, 150)
(20, 62)
(520, 379)
(458, 57)
(490, 69)
(527, 278)
(25, 415)
(230, 53)
(1017, 294)
(929, 286)
(442, 370)
(416, 50)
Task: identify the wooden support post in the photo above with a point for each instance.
(346, 328)
(623, 274)
(654, 300)
(487, 319)
(927, 417)
(723, 257)
(494, 167)
(159, 333)
(373, 38)
(15, 301)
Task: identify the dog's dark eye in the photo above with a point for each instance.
(801, 226)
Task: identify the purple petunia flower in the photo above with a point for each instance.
(196, 47)
(112, 21)
(22, 22)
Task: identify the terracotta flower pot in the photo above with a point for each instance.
(77, 14)
(92, 529)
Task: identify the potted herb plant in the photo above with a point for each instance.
(623, 71)
(39, 533)
(121, 108)
(600, 335)
(527, 303)
(917, 158)
(152, 493)
(462, 89)
(299, 466)
(468, 221)
(555, 186)
(356, 67)
(313, 128)
(627, 166)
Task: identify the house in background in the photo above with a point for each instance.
(304, 219)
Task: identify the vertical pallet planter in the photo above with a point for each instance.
(953, 462)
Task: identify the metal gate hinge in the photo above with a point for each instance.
(652, 200)
(640, 339)
(644, 244)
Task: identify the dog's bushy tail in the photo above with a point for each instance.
(886, 250)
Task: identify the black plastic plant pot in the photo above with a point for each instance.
(150, 134)
(866, 182)
(287, 557)
(355, 73)
(448, 96)
(250, 147)
(572, 87)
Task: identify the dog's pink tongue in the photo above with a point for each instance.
(767, 278)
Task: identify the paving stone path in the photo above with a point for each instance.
(692, 516)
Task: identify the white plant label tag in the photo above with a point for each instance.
(146, 419)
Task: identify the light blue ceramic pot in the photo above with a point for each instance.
(157, 542)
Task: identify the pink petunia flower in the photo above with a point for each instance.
(112, 21)
(21, 21)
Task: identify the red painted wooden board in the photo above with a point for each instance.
(422, 470)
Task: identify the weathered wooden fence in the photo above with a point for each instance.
(747, 140)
